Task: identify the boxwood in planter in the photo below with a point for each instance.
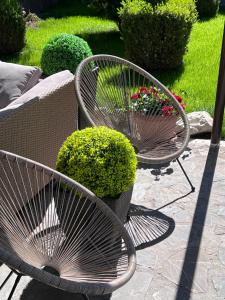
(156, 37)
(104, 161)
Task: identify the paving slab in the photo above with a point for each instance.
(181, 240)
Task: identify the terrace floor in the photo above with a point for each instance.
(180, 235)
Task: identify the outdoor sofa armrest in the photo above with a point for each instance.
(38, 122)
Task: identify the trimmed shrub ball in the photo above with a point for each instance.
(101, 159)
(64, 52)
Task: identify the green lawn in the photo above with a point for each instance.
(196, 80)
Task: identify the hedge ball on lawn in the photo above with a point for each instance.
(64, 52)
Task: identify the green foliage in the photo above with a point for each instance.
(156, 37)
(12, 24)
(207, 8)
(62, 52)
(107, 7)
(101, 159)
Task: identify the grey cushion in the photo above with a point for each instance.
(15, 80)
(38, 93)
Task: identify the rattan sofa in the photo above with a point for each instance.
(36, 124)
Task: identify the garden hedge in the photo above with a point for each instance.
(156, 37)
(101, 159)
(110, 7)
(207, 8)
(12, 27)
(106, 7)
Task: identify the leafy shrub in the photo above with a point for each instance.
(107, 7)
(62, 52)
(101, 159)
(12, 24)
(156, 37)
(110, 7)
(207, 8)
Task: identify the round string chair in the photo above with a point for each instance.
(107, 87)
(58, 232)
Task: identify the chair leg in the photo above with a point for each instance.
(7, 278)
(14, 286)
(185, 174)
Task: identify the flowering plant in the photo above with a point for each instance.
(153, 99)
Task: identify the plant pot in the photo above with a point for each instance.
(120, 206)
(65, 209)
(155, 128)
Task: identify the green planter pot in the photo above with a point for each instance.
(120, 206)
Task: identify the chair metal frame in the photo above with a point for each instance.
(86, 108)
(89, 232)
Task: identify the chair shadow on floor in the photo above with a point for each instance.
(38, 291)
(161, 170)
(148, 227)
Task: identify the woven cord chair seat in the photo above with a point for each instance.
(105, 85)
(49, 220)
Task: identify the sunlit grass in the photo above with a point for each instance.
(37, 37)
(196, 81)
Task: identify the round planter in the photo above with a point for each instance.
(120, 206)
(160, 128)
(65, 209)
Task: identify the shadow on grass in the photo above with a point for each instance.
(10, 57)
(39, 291)
(168, 77)
(68, 8)
(116, 47)
(105, 42)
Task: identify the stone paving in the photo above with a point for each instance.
(184, 257)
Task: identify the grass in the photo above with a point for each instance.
(102, 34)
(196, 81)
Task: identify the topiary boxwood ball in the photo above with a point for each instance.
(101, 159)
(64, 52)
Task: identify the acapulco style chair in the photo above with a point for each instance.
(58, 232)
(104, 86)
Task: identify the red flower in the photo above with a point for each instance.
(135, 96)
(167, 110)
(144, 90)
(179, 99)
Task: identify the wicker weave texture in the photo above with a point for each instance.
(38, 128)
